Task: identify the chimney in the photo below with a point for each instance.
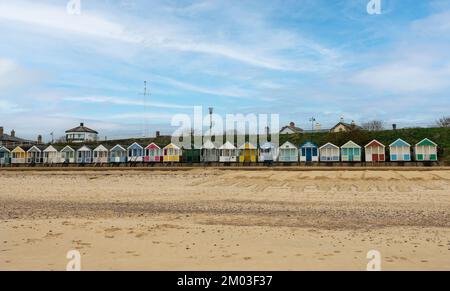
(394, 126)
(158, 134)
(292, 124)
(39, 139)
(82, 124)
(13, 133)
(1, 131)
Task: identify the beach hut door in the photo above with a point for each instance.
(309, 155)
(350, 155)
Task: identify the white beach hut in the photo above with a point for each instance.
(400, 151)
(84, 155)
(209, 152)
(101, 154)
(288, 153)
(351, 152)
(52, 155)
(268, 152)
(329, 153)
(228, 153)
(68, 155)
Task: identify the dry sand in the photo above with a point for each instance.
(209, 219)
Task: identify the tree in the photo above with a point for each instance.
(374, 125)
(444, 122)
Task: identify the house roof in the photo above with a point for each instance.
(399, 143)
(426, 142)
(351, 144)
(350, 126)
(374, 143)
(82, 128)
(7, 138)
(293, 128)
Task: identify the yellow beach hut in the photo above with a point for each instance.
(19, 155)
(247, 153)
(171, 153)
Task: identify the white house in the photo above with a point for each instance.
(52, 155)
(81, 134)
(228, 153)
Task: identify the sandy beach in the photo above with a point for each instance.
(210, 219)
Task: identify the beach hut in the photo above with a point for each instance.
(268, 152)
(426, 150)
(153, 154)
(400, 151)
(19, 155)
(5, 156)
(135, 153)
(191, 155)
(101, 154)
(375, 151)
(329, 153)
(84, 155)
(209, 152)
(227, 153)
(68, 155)
(247, 153)
(118, 154)
(52, 155)
(35, 155)
(351, 152)
(288, 153)
(171, 153)
(309, 152)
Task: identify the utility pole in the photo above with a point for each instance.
(312, 120)
(51, 133)
(144, 106)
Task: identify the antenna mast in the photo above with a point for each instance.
(144, 106)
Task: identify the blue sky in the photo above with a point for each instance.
(297, 58)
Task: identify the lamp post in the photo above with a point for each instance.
(312, 120)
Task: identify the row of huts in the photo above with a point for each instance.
(399, 151)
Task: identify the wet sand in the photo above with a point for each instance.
(220, 220)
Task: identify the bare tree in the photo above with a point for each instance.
(374, 125)
(444, 122)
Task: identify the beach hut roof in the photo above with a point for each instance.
(22, 148)
(172, 145)
(374, 143)
(53, 148)
(67, 147)
(247, 146)
(4, 149)
(308, 144)
(267, 145)
(288, 145)
(101, 148)
(351, 144)
(152, 146)
(135, 144)
(84, 148)
(426, 142)
(36, 148)
(209, 145)
(228, 146)
(329, 145)
(399, 143)
(118, 147)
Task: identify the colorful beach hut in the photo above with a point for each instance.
(400, 151)
(329, 153)
(35, 155)
(228, 153)
(426, 150)
(247, 153)
(84, 155)
(101, 154)
(309, 152)
(288, 153)
(172, 153)
(68, 155)
(5, 156)
(153, 154)
(351, 152)
(19, 155)
(209, 152)
(135, 153)
(268, 152)
(52, 155)
(117, 154)
(375, 151)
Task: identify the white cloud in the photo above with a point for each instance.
(124, 101)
